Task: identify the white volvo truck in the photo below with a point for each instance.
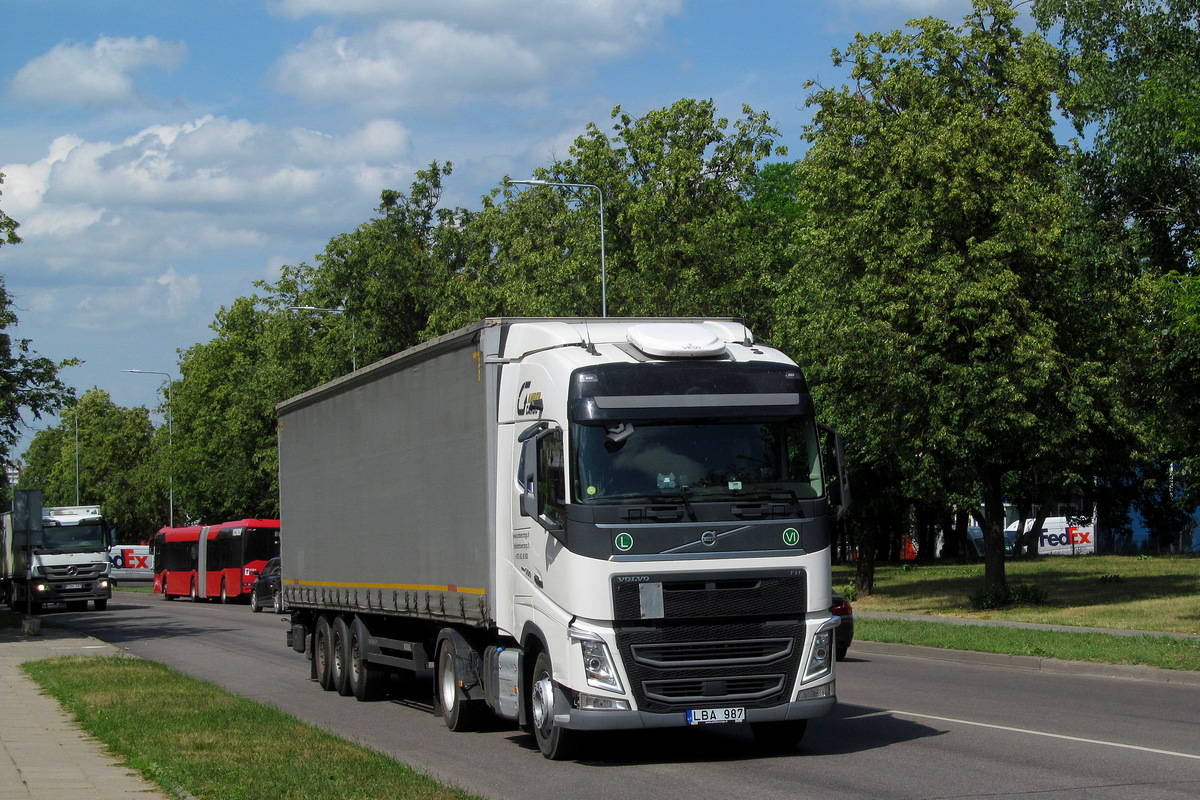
(69, 556)
(578, 524)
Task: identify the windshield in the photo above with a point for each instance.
(84, 537)
(704, 461)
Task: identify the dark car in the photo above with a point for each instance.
(266, 589)
(844, 634)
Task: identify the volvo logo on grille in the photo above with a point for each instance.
(708, 538)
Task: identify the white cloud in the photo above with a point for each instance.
(76, 74)
(436, 54)
(128, 222)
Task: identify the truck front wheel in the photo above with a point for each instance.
(555, 742)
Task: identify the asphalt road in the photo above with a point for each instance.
(905, 727)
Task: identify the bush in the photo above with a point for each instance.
(1013, 594)
(849, 592)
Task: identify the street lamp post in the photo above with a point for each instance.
(353, 347)
(600, 192)
(170, 442)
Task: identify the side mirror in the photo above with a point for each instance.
(838, 486)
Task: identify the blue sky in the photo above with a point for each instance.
(162, 156)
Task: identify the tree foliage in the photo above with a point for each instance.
(101, 453)
(680, 238)
(930, 297)
(1130, 80)
(27, 380)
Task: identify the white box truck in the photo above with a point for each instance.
(62, 557)
(578, 524)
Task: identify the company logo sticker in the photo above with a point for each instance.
(791, 537)
(624, 542)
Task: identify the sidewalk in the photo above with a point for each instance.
(43, 754)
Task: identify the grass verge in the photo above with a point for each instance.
(192, 738)
(1163, 652)
(1160, 594)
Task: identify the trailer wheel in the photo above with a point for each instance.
(555, 742)
(322, 653)
(339, 664)
(459, 713)
(367, 681)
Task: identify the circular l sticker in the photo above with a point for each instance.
(623, 542)
(791, 537)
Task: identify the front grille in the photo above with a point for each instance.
(71, 573)
(691, 654)
(749, 690)
(720, 640)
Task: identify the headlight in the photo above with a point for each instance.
(820, 658)
(597, 664)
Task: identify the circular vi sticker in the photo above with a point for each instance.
(624, 542)
(791, 537)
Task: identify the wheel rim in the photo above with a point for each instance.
(543, 703)
(339, 664)
(355, 662)
(447, 682)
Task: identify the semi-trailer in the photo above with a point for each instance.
(576, 524)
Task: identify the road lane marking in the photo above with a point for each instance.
(952, 720)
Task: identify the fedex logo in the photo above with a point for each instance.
(1073, 536)
(127, 559)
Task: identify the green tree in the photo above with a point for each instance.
(8, 225)
(1129, 74)
(101, 453)
(933, 289)
(27, 380)
(679, 235)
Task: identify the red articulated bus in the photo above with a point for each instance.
(213, 561)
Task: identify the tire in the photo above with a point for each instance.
(458, 712)
(195, 592)
(277, 601)
(779, 737)
(339, 665)
(254, 606)
(224, 593)
(841, 653)
(165, 596)
(77, 605)
(322, 655)
(555, 742)
(101, 604)
(367, 681)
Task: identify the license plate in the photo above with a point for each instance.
(703, 716)
(72, 586)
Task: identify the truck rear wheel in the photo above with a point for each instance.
(555, 742)
(459, 713)
(367, 681)
(322, 653)
(339, 645)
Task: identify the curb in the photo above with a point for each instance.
(1049, 666)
